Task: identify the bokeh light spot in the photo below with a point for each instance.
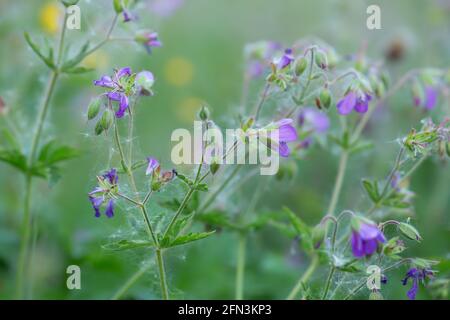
(179, 71)
(49, 17)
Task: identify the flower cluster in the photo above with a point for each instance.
(416, 275)
(105, 193)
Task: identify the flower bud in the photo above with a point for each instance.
(105, 121)
(409, 231)
(203, 113)
(321, 59)
(325, 98)
(93, 108)
(214, 167)
(318, 235)
(118, 5)
(300, 66)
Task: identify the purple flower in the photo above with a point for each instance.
(104, 193)
(426, 98)
(286, 133)
(313, 119)
(128, 16)
(149, 39)
(365, 238)
(152, 166)
(119, 87)
(416, 275)
(144, 82)
(286, 59)
(353, 101)
(431, 95)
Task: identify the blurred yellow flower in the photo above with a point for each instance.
(187, 109)
(49, 17)
(98, 59)
(179, 71)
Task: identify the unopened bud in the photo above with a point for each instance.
(300, 66)
(214, 167)
(69, 3)
(204, 113)
(325, 98)
(118, 5)
(321, 59)
(93, 108)
(409, 231)
(318, 235)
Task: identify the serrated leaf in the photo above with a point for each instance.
(15, 158)
(51, 154)
(126, 244)
(185, 179)
(216, 219)
(10, 138)
(190, 237)
(47, 60)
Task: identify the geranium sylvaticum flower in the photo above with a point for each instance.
(286, 59)
(123, 85)
(104, 193)
(416, 275)
(427, 98)
(149, 39)
(314, 120)
(158, 178)
(354, 100)
(365, 237)
(279, 133)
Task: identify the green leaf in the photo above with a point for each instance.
(190, 237)
(10, 138)
(185, 179)
(216, 219)
(201, 187)
(302, 229)
(51, 154)
(78, 70)
(47, 60)
(71, 63)
(372, 190)
(126, 244)
(15, 158)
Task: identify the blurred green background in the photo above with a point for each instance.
(202, 61)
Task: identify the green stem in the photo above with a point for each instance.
(130, 282)
(304, 278)
(162, 274)
(328, 283)
(27, 216)
(105, 40)
(261, 101)
(240, 266)
(338, 183)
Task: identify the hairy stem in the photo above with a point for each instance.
(162, 274)
(338, 183)
(27, 217)
(328, 283)
(240, 266)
